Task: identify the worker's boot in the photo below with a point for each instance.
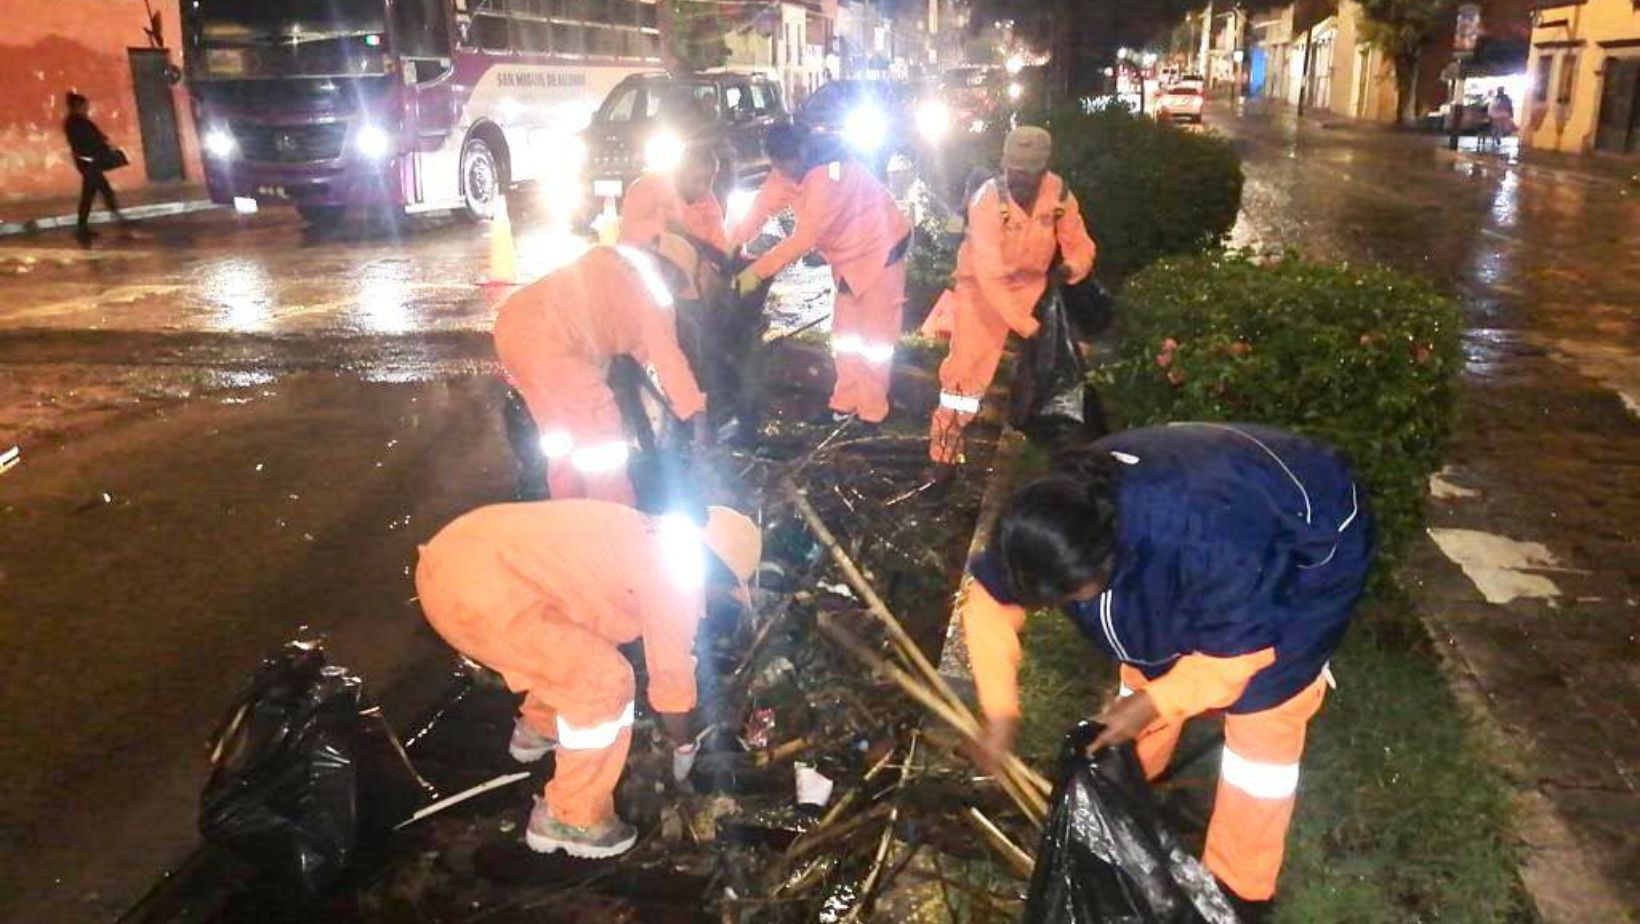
(528, 745)
(547, 834)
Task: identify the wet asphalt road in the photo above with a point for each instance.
(277, 416)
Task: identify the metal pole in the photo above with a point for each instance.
(1304, 81)
(1207, 47)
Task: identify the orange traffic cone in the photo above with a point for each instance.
(503, 253)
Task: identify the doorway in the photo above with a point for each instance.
(1619, 128)
(156, 114)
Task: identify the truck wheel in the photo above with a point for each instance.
(482, 180)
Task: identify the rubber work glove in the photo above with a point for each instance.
(683, 761)
(747, 281)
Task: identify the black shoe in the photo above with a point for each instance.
(828, 418)
(85, 237)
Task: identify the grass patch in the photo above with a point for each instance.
(1401, 815)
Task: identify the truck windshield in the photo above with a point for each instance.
(235, 39)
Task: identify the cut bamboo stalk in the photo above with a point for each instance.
(1014, 855)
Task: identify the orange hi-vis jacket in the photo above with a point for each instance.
(777, 192)
(612, 301)
(1003, 264)
(616, 572)
(850, 217)
(652, 206)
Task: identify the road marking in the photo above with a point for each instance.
(118, 295)
(1499, 567)
(1616, 369)
(1442, 489)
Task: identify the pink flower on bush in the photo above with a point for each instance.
(1165, 357)
(1240, 348)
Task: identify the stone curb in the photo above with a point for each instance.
(134, 213)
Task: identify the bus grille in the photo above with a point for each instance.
(291, 144)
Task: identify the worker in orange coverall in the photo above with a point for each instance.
(556, 338)
(784, 145)
(680, 202)
(849, 216)
(1220, 565)
(1017, 224)
(543, 593)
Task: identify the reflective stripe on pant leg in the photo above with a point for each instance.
(946, 428)
(593, 737)
(582, 789)
(879, 322)
(601, 458)
(1258, 780)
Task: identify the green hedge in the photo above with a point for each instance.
(1365, 359)
(1149, 190)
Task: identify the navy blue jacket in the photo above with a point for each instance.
(1232, 538)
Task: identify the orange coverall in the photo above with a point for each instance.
(556, 337)
(535, 592)
(845, 213)
(652, 206)
(1247, 836)
(777, 193)
(1002, 271)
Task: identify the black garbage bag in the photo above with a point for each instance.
(1052, 402)
(1090, 307)
(304, 772)
(1106, 857)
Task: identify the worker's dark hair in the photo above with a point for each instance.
(75, 99)
(1058, 533)
(699, 155)
(784, 142)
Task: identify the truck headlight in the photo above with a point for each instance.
(220, 143)
(663, 152)
(933, 120)
(866, 128)
(372, 142)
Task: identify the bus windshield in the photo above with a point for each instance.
(293, 38)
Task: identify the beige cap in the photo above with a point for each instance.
(1027, 148)
(737, 542)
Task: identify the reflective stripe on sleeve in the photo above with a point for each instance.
(1259, 779)
(603, 458)
(596, 737)
(962, 404)
(649, 273)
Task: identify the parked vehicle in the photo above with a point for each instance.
(648, 121)
(876, 120)
(1180, 101)
(413, 105)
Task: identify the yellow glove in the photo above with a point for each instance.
(747, 281)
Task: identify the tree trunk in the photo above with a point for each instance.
(1406, 79)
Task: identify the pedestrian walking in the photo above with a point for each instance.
(543, 593)
(845, 212)
(1500, 115)
(1021, 227)
(557, 337)
(93, 157)
(1220, 565)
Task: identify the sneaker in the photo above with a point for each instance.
(528, 745)
(547, 834)
(829, 418)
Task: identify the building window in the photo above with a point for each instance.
(1568, 78)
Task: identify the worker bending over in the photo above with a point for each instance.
(1220, 565)
(556, 338)
(680, 202)
(543, 593)
(1019, 224)
(845, 213)
(784, 145)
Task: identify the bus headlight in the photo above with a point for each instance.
(372, 142)
(933, 120)
(663, 152)
(220, 143)
(866, 128)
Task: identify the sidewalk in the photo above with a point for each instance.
(27, 216)
(1588, 168)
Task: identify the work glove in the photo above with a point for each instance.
(683, 761)
(747, 281)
